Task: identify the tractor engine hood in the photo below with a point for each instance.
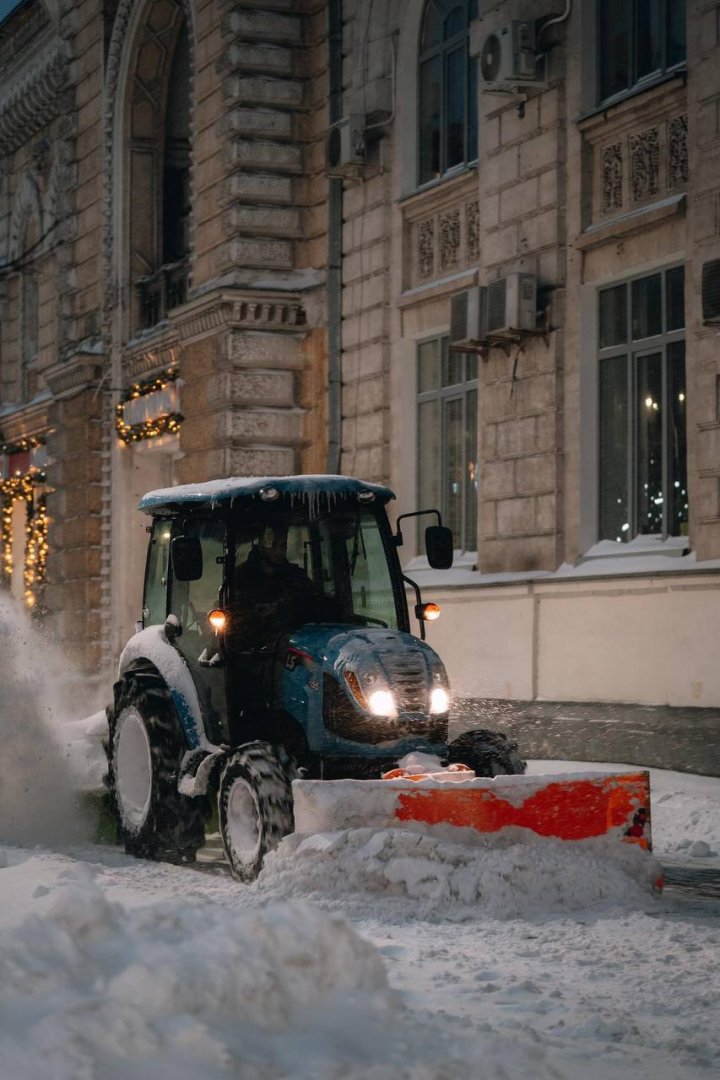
(367, 661)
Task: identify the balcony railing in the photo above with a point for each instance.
(162, 291)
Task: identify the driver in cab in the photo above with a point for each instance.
(273, 594)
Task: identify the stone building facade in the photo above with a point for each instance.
(232, 239)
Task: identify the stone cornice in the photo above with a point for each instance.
(236, 309)
(151, 353)
(29, 102)
(78, 372)
(25, 420)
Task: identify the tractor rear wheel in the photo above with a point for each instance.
(489, 753)
(145, 749)
(254, 806)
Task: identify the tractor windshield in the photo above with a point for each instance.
(333, 568)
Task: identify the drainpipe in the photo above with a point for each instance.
(334, 247)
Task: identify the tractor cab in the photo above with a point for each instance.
(256, 582)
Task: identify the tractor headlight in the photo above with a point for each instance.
(376, 700)
(382, 703)
(439, 700)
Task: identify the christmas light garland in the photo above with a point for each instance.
(165, 423)
(22, 489)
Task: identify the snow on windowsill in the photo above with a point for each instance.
(642, 556)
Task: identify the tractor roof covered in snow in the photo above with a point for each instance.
(325, 488)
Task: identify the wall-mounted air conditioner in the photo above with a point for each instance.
(468, 318)
(511, 305)
(345, 147)
(711, 292)
(509, 56)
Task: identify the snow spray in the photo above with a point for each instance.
(39, 802)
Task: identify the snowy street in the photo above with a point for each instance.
(361, 953)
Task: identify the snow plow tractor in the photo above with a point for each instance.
(275, 643)
(274, 653)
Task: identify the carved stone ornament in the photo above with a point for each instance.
(426, 248)
(472, 227)
(449, 239)
(612, 178)
(28, 104)
(677, 151)
(644, 163)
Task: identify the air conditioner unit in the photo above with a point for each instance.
(345, 147)
(711, 292)
(468, 316)
(509, 55)
(511, 305)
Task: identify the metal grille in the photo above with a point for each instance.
(409, 678)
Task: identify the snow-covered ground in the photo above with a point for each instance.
(357, 954)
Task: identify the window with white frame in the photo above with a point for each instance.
(447, 85)
(642, 407)
(447, 423)
(638, 41)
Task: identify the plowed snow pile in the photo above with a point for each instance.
(377, 871)
(38, 803)
(180, 990)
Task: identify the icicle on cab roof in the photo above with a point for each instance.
(221, 492)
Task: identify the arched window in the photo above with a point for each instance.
(447, 78)
(159, 167)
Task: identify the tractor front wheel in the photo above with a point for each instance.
(254, 806)
(145, 750)
(489, 753)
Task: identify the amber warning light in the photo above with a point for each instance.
(218, 620)
(429, 612)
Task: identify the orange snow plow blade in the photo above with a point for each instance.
(576, 809)
(572, 807)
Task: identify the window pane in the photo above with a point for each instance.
(157, 573)
(676, 32)
(432, 28)
(456, 91)
(675, 298)
(613, 316)
(614, 47)
(471, 369)
(472, 151)
(647, 307)
(429, 454)
(677, 447)
(454, 466)
(452, 365)
(472, 471)
(649, 465)
(614, 511)
(428, 366)
(430, 76)
(455, 22)
(647, 37)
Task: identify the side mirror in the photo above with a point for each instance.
(187, 560)
(439, 546)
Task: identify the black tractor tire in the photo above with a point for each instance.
(254, 805)
(489, 753)
(145, 748)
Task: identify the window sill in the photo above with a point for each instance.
(611, 104)
(634, 221)
(646, 560)
(451, 178)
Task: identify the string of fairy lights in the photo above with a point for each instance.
(24, 487)
(28, 486)
(163, 424)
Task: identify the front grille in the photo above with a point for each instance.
(409, 678)
(342, 717)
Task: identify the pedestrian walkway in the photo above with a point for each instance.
(686, 740)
